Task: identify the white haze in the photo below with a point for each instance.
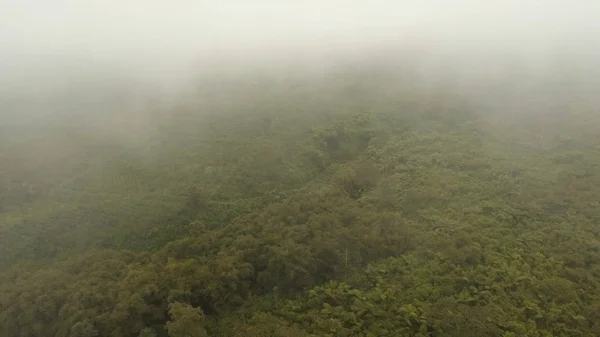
(56, 45)
(165, 33)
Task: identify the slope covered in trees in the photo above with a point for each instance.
(354, 204)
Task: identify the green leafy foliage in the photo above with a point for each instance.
(328, 210)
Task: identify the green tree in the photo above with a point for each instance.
(147, 332)
(84, 328)
(186, 321)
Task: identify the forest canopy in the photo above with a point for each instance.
(352, 203)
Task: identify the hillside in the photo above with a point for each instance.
(351, 204)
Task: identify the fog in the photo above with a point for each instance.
(164, 36)
(299, 168)
(56, 48)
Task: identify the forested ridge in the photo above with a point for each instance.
(353, 204)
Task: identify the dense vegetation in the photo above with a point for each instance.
(353, 204)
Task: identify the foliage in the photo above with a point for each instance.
(327, 210)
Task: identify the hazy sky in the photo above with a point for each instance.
(49, 46)
(161, 33)
(108, 26)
